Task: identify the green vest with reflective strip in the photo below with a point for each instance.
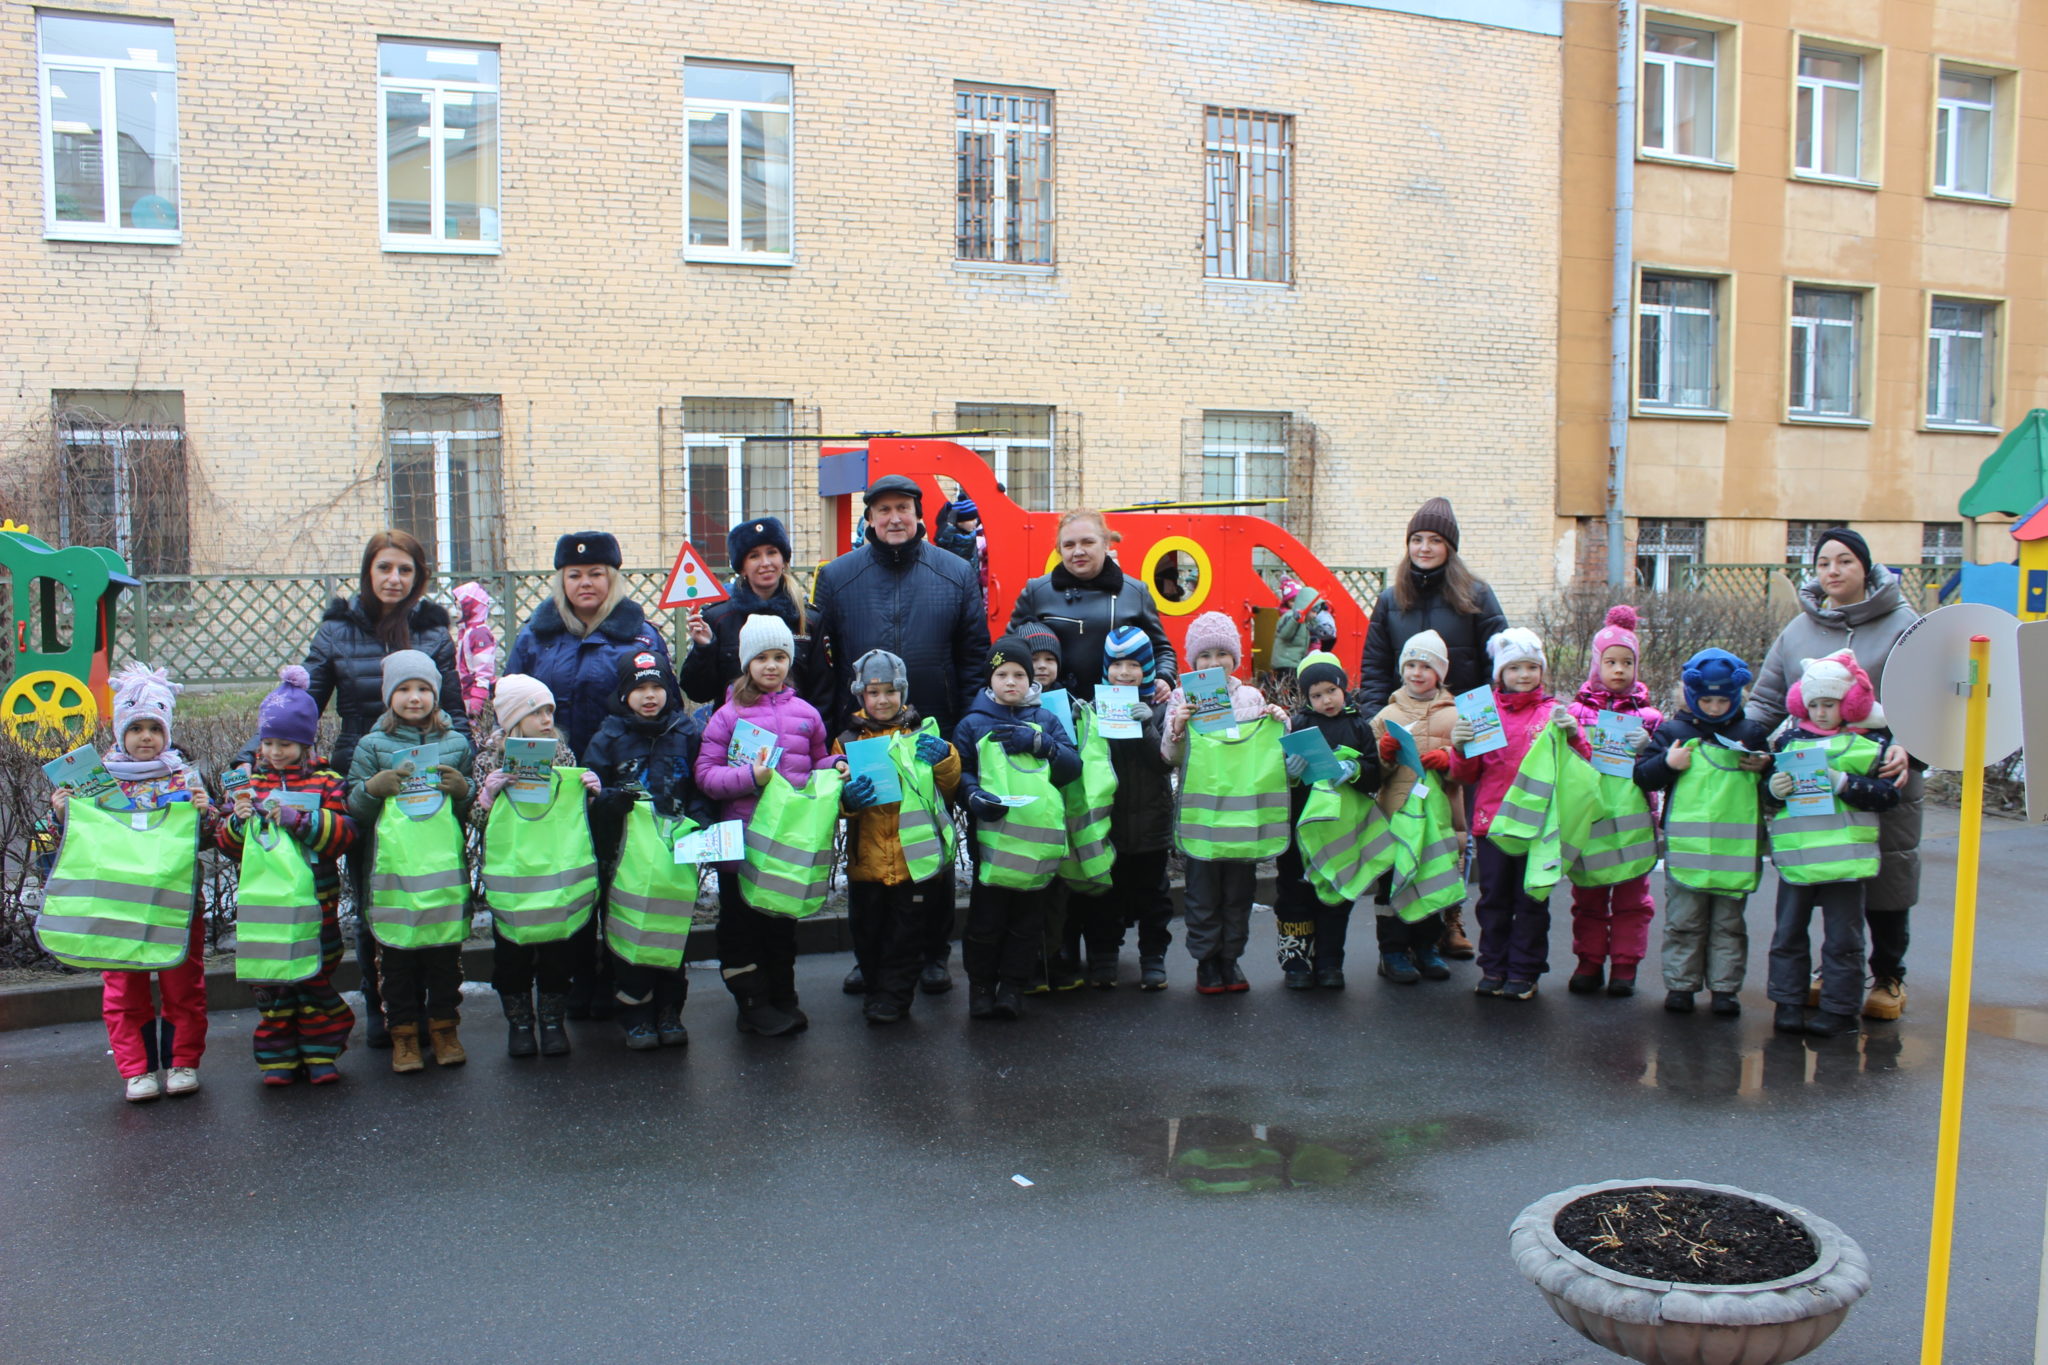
(1809, 850)
(419, 889)
(789, 844)
(1620, 841)
(122, 892)
(923, 825)
(540, 866)
(1021, 851)
(1547, 801)
(1087, 865)
(652, 897)
(1427, 877)
(1344, 840)
(1530, 797)
(1233, 796)
(277, 909)
(1712, 824)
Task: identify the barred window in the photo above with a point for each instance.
(1663, 546)
(728, 478)
(1941, 542)
(1003, 148)
(1827, 346)
(1247, 231)
(1019, 447)
(121, 476)
(1802, 538)
(1677, 334)
(1961, 335)
(443, 462)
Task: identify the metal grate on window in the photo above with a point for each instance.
(1802, 538)
(1003, 148)
(120, 478)
(1021, 447)
(728, 478)
(1662, 545)
(1247, 227)
(443, 466)
(1941, 542)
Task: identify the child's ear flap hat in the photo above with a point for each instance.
(1713, 673)
(1837, 677)
(143, 693)
(1515, 645)
(1620, 629)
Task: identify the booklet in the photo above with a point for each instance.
(724, 842)
(1737, 745)
(1612, 756)
(82, 773)
(530, 764)
(752, 744)
(421, 795)
(1014, 802)
(1113, 707)
(875, 760)
(1813, 792)
(1410, 756)
(1062, 706)
(308, 802)
(1323, 765)
(1208, 690)
(1477, 709)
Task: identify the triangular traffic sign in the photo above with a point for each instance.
(690, 584)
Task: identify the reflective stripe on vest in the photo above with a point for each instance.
(1620, 842)
(1021, 851)
(1713, 823)
(540, 869)
(1809, 850)
(277, 909)
(419, 889)
(1427, 877)
(1233, 796)
(123, 890)
(789, 844)
(1530, 822)
(1344, 840)
(922, 825)
(1086, 867)
(653, 897)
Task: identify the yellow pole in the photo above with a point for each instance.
(1956, 1046)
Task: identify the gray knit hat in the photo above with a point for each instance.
(880, 666)
(407, 664)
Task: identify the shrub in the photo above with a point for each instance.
(1673, 626)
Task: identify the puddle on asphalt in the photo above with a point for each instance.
(1701, 1065)
(2006, 1021)
(1210, 1155)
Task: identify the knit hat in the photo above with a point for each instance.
(1214, 630)
(588, 547)
(1619, 630)
(1713, 673)
(1320, 667)
(1429, 647)
(1289, 586)
(644, 666)
(880, 666)
(518, 696)
(1852, 541)
(1010, 649)
(763, 631)
(1128, 642)
(963, 507)
(1040, 638)
(143, 693)
(1515, 645)
(749, 536)
(1838, 676)
(473, 602)
(894, 485)
(407, 665)
(1436, 515)
(289, 713)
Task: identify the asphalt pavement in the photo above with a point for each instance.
(1269, 1176)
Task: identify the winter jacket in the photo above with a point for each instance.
(1141, 814)
(917, 602)
(797, 727)
(1870, 628)
(1390, 629)
(1653, 774)
(581, 670)
(1430, 723)
(328, 835)
(1592, 699)
(874, 842)
(345, 661)
(657, 757)
(1292, 631)
(1348, 729)
(1247, 704)
(1083, 613)
(379, 751)
(708, 670)
(987, 714)
(1872, 793)
(1522, 714)
(152, 792)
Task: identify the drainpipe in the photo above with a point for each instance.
(1620, 333)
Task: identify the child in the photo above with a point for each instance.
(1312, 934)
(1514, 927)
(476, 650)
(1613, 922)
(152, 774)
(646, 750)
(1140, 826)
(758, 951)
(525, 709)
(1423, 707)
(1824, 859)
(1059, 967)
(1218, 894)
(305, 1025)
(420, 986)
(1009, 745)
(1712, 827)
(891, 909)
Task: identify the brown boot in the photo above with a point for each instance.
(405, 1048)
(1454, 943)
(1887, 999)
(447, 1047)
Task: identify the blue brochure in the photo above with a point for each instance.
(1062, 706)
(1410, 757)
(1477, 709)
(874, 760)
(1323, 765)
(1612, 756)
(1813, 792)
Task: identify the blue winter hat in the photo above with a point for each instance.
(743, 539)
(963, 507)
(1127, 642)
(1714, 673)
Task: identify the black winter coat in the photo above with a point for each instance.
(707, 670)
(1141, 813)
(1348, 729)
(1083, 613)
(630, 756)
(582, 670)
(917, 602)
(1653, 774)
(1379, 672)
(345, 661)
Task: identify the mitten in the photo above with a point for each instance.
(1437, 761)
(291, 820)
(1349, 767)
(1782, 785)
(1390, 748)
(1638, 740)
(858, 794)
(386, 784)
(986, 807)
(1296, 767)
(932, 750)
(495, 783)
(1020, 739)
(1462, 732)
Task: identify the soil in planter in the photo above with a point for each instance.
(1689, 1236)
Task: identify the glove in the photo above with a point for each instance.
(1390, 748)
(1782, 785)
(986, 807)
(1462, 732)
(1437, 761)
(1140, 712)
(1838, 781)
(1022, 739)
(385, 785)
(290, 819)
(1296, 766)
(1567, 723)
(932, 750)
(452, 784)
(590, 782)
(495, 783)
(1350, 770)
(858, 794)
(1639, 740)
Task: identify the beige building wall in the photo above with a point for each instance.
(1417, 336)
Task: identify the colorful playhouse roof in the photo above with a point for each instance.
(2034, 525)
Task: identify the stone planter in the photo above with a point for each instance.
(1660, 1322)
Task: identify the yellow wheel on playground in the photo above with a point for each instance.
(1205, 574)
(48, 713)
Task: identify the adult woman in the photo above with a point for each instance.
(1086, 597)
(1432, 590)
(1854, 604)
(759, 551)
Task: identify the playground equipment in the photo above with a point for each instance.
(1023, 544)
(59, 691)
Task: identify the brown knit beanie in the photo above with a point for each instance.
(1436, 515)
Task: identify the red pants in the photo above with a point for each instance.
(1613, 922)
(130, 1011)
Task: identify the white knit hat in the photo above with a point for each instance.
(1429, 647)
(763, 631)
(1515, 645)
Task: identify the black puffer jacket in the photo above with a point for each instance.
(1391, 628)
(346, 662)
(1082, 613)
(917, 602)
(1141, 812)
(709, 669)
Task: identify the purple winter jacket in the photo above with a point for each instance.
(797, 728)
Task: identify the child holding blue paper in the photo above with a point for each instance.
(1312, 934)
(1422, 706)
(1140, 827)
(1060, 966)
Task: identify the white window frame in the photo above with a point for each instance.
(1002, 211)
(1869, 104)
(1818, 330)
(444, 513)
(1665, 555)
(997, 449)
(1664, 313)
(1945, 556)
(1248, 168)
(1948, 135)
(104, 69)
(1940, 345)
(439, 94)
(1661, 67)
(735, 110)
(1239, 452)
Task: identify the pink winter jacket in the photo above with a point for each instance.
(1522, 714)
(1593, 699)
(797, 728)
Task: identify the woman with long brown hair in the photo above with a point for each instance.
(1432, 590)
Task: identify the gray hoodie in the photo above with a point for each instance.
(1870, 628)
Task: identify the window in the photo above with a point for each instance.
(1662, 546)
(1826, 352)
(1963, 114)
(1677, 337)
(1003, 149)
(1828, 115)
(738, 119)
(1244, 457)
(443, 453)
(1022, 456)
(1941, 542)
(110, 129)
(728, 478)
(1678, 95)
(1961, 334)
(121, 476)
(1802, 538)
(439, 135)
(1245, 233)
